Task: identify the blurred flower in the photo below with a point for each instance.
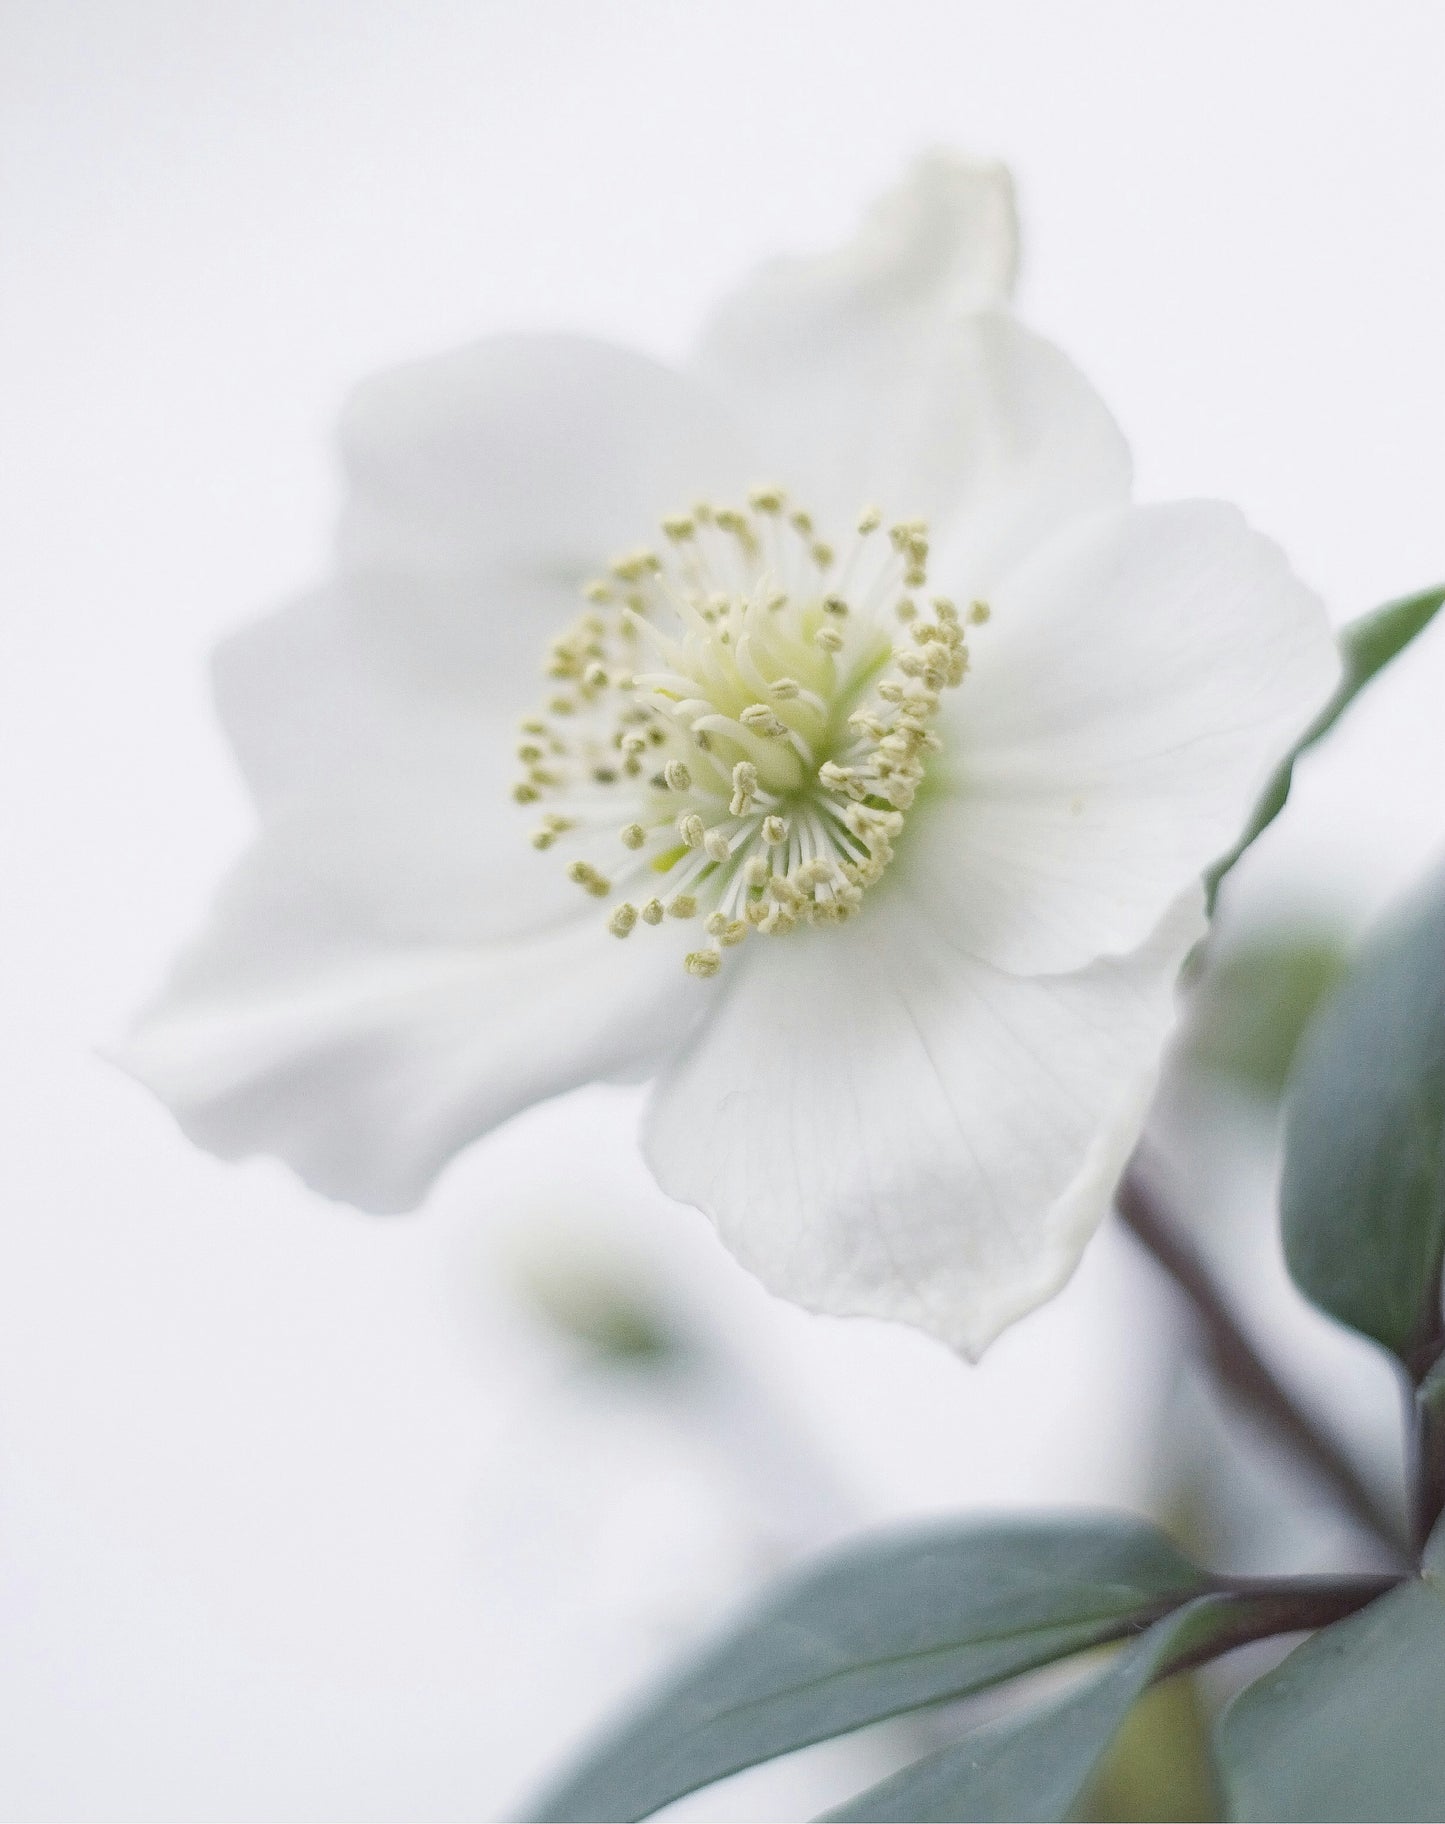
(903, 880)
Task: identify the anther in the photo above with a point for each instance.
(682, 905)
(623, 919)
(652, 912)
(702, 962)
(745, 787)
(633, 835)
(692, 830)
(678, 778)
(716, 845)
(762, 721)
(588, 877)
(774, 831)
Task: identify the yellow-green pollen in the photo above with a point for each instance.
(739, 722)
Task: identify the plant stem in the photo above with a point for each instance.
(1428, 1481)
(1241, 1368)
(1282, 1605)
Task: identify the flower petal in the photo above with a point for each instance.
(943, 242)
(310, 704)
(374, 992)
(881, 1126)
(486, 485)
(886, 371)
(1134, 688)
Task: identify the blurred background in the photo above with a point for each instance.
(309, 1515)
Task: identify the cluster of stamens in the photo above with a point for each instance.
(740, 721)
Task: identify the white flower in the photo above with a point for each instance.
(937, 793)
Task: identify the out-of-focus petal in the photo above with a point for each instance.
(311, 706)
(886, 371)
(485, 486)
(379, 986)
(881, 1126)
(1137, 683)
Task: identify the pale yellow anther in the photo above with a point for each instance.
(678, 778)
(525, 794)
(745, 787)
(716, 845)
(622, 919)
(774, 831)
(822, 555)
(766, 500)
(543, 838)
(829, 639)
(763, 721)
(733, 932)
(907, 609)
(756, 871)
(801, 522)
(633, 835)
(715, 923)
(587, 876)
(653, 912)
(692, 829)
(979, 612)
(680, 527)
(702, 962)
(595, 677)
(835, 605)
(682, 905)
(785, 689)
(869, 520)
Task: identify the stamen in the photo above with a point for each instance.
(751, 722)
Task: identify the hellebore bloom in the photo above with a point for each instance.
(861, 802)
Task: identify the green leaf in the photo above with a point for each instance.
(1366, 646)
(1352, 1724)
(885, 1626)
(1363, 1192)
(1252, 1003)
(1038, 1764)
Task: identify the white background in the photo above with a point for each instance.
(303, 1514)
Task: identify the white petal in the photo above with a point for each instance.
(881, 1126)
(944, 241)
(970, 422)
(886, 373)
(486, 485)
(378, 988)
(310, 702)
(1134, 689)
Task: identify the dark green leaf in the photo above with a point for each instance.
(1363, 1194)
(1352, 1724)
(1366, 645)
(1037, 1765)
(888, 1625)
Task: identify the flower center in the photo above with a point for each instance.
(740, 722)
